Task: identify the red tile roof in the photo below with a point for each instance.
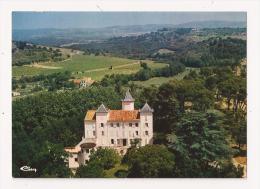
(115, 115)
(123, 115)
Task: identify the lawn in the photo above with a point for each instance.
(86, 65)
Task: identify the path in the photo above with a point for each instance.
(41, 65)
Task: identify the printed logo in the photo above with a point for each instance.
(28, 169)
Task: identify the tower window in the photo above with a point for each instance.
(136, 133)
(94, 133)
(76, 159)
(102, 124)
(146, 124)
(112, 141)
(146, 133)
(103, 133)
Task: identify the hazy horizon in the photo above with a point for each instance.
(66, 20)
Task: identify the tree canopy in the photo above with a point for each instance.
(150, 161)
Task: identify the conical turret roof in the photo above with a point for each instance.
(102, 109)
(146, 108)
(128, 96)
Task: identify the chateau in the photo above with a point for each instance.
(116, 129)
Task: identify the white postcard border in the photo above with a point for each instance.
(252, 7)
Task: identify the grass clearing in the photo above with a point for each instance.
(90, 62)
(160, 80)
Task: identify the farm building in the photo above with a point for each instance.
(83, 82)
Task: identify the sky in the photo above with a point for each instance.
(60, 20)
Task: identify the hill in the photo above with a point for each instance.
(212, 24)
(192, 47)
(61, 37)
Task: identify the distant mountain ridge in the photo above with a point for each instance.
(212, 24)
(58, 37)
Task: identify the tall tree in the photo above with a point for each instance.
(200, 146)
(106, 157)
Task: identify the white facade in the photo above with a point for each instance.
(113, 128)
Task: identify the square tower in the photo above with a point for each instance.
(128, 102)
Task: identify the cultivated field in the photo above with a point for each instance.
(85, 65)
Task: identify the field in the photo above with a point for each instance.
(159, 80)
(85, 65)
